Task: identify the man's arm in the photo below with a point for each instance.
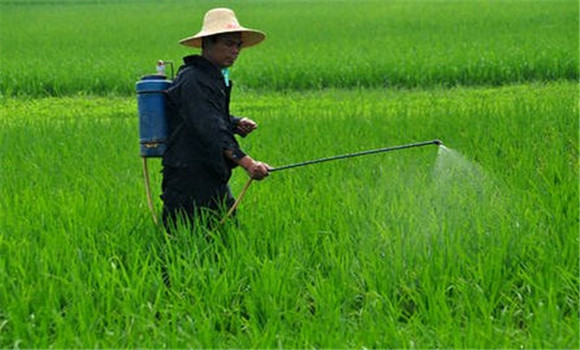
(256, 170)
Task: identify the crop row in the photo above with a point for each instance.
(103, 48)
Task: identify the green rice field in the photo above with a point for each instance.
(471, 245)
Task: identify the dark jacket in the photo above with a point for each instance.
(199, 121)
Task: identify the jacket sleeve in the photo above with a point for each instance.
(203, 111)
(234, 125)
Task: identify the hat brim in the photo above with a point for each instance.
(250, 37)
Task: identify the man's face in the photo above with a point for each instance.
(224, 52)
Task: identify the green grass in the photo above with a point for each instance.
(473, 246)
(389, 251)
(309, 45)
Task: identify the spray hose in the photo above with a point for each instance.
(148, 192)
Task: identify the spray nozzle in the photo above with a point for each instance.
(438, 142)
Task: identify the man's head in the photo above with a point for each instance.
(223, 21)
(222, 49)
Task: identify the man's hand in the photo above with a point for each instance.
(246, 126)
(256, 170)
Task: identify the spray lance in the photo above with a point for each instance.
(328, 159)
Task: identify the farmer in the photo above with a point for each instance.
(202, 149)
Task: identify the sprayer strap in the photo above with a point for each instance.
(173, 136)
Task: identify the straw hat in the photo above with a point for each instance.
(223, 20)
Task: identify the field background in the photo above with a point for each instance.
(473, 246)
(309, 45)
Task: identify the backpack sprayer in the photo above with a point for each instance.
(153, 133)
(152, 121)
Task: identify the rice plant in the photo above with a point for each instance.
(473, 246)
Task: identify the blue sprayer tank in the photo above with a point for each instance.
(152, 121)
